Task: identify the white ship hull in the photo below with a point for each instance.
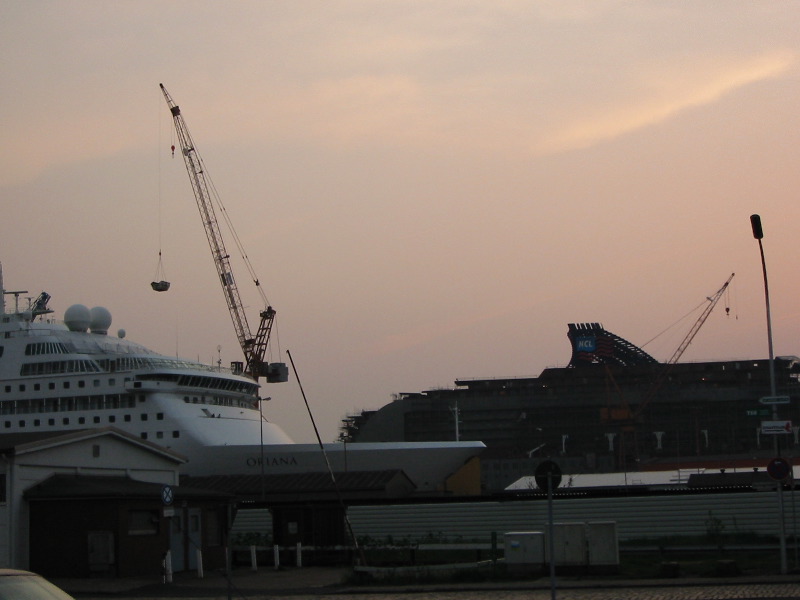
(58, 377)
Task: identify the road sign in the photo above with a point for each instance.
(758, 412)
(167, 495)
(776, 427)
(774, 400)
(779, 468)
(547, 468)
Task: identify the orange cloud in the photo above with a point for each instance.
(703, 89)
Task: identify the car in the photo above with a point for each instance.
(24, 585)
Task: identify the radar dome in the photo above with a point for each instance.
(77, 318)
(100, 320)
(121, 334)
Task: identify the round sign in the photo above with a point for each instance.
(167, 495)
(547, 470)
(779, 468)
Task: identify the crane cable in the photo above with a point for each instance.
(235, 236)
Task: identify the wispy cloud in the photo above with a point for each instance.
(700, 89)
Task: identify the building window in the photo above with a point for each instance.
(143, 522)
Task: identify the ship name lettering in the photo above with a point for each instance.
(272, 461)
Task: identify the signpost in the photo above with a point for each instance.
(779, 468)
(776, 427)
(774, 400)
(548, 477)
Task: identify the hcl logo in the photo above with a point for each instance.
(586, 344)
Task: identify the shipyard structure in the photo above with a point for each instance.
(612, 408)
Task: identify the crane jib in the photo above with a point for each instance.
(254, 347)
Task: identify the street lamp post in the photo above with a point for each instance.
(758, 233)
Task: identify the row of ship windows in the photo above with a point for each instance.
(22, 387)
(99, 402)
(80, 421)
(218, 401)
(43, 405)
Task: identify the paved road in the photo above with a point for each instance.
(316, 582)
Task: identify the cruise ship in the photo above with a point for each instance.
(58, 376)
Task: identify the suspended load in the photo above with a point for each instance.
(160, 285)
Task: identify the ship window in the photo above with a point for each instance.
(37, 387)
(144, 435)
(176, 434)
(81, 420)
(112, 419)
(81, 383)
(22, 388)
(36, 422)
(160, 435)
(51, 421)
(66, 385)
(160, 416)
(52, 385)
(8, 388)
(97, 419)
(95, 450)
(96, 383)
(7, 424)
(65, 421)
(22, 423)
(185, 398)
(144, 416)
(127, 418)
(112, 381)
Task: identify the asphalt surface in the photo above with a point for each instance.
(315, 582)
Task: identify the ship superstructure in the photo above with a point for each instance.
(61, 376)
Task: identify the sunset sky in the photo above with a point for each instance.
(428, 190)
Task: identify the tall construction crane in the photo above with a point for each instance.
(712, 302)
(255, 346)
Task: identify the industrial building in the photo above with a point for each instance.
(612, 408)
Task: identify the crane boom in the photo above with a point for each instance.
(712, 302)
(253, 347)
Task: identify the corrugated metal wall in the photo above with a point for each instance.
(636, 516)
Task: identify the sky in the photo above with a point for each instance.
(428, 190)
